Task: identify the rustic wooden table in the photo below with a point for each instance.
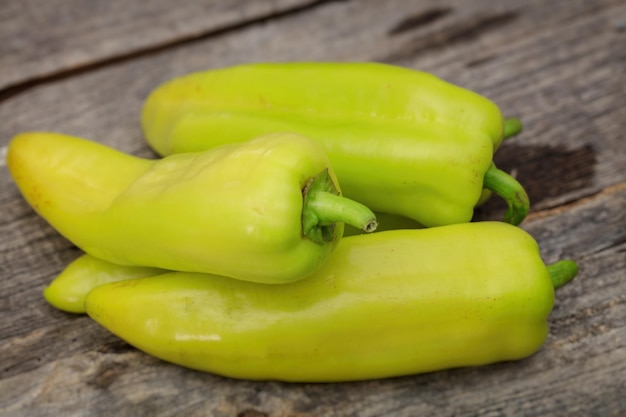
(84, 68)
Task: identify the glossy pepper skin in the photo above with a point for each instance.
(401, 141)
(263, 211)
(385, 304)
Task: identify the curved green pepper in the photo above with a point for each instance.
(401, 141)
(263, 211)
(385, 304)
(68, 290)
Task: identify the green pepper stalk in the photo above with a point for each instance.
(401, 142)
(323, 208)
(386, 221)
(512, 127)
(512, 191)
(237, 210)
(562, 272)
(478, 293)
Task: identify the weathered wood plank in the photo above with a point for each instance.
(45, 39)
(558, 65)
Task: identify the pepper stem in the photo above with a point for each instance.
(512, 127)
(511, 191)
(562, 272)
(323, 207)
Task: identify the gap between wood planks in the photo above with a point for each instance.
(20, 87)
(540, 214)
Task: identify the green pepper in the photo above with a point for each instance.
(401, 142)
(68, 290)
(268, 210)
(385, 304)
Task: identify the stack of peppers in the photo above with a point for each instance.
(229, 254)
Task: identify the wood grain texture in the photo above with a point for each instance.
(39, 40)
(557, 65)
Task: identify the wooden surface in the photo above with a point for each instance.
(84, 68)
